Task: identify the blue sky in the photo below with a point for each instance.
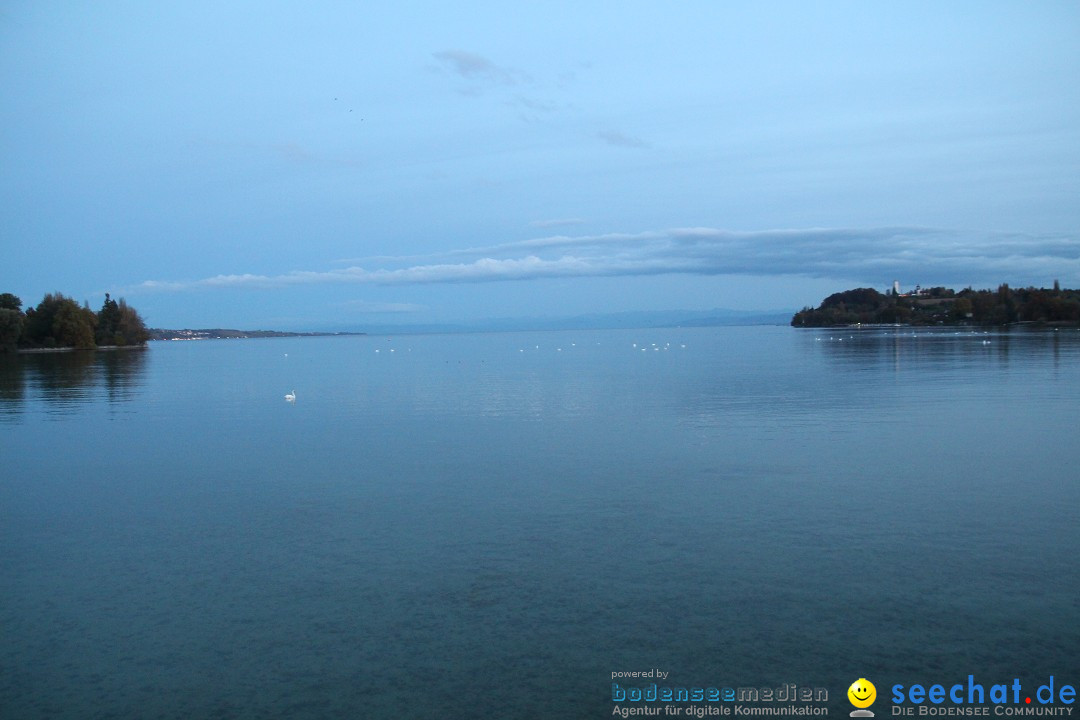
(343, 164)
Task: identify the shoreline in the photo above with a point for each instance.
(1030, 324)
(107, 348)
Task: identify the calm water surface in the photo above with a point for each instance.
(488, 526)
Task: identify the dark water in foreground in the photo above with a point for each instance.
(489, 526)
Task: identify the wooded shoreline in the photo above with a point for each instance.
(943, 306)
(59, 323)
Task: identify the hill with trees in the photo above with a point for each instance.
(943, 306)
(60, 322)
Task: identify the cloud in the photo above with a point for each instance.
(618, 139)
(875, 256)
(535, 105)
(476, 68)
(482, 77)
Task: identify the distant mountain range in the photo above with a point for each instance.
(636, 319)
(224, 334)
(593, 321)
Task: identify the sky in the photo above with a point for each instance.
(340, 165)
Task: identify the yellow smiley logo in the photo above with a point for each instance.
(862, 693)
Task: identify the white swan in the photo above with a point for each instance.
(291, 397)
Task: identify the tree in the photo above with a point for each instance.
(1005, 311)
(59, 321)
(11, 324)
(107, 319)
(962, 309)
(73, 326)
(10, 302)
(130, 328)
(942, 305)
(859, 299)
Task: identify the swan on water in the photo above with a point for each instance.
(291, 397)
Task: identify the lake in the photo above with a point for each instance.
(491, 525)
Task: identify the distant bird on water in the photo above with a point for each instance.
(291, 397)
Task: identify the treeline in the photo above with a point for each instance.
(60, 322)
(943, 306)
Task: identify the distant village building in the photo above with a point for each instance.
(917, 292)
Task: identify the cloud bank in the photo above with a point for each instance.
(476, 68)
(875, 256)
(618, 139)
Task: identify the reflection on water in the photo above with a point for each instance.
(468, 526)
(62, 382)
(922, 348)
